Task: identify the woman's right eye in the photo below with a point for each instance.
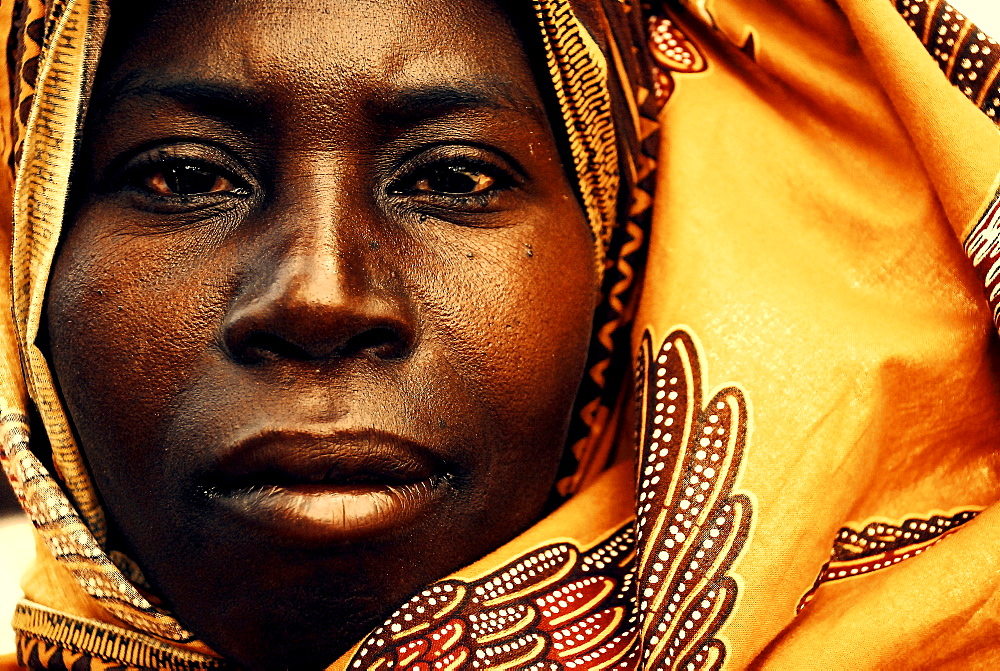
(181, 176)
(177, 179)
(186, 180)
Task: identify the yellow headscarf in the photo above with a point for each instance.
(833, 508)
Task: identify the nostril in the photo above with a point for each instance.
(380, 342)
(311, 305)
(260, 347)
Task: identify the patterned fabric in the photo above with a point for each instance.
(971, 60)
(969, 57)
(53, 640)
(651, 595)
(635, 128)
(639, 92)
(881, 544)
(72, 526)
(52, 49)
(983, 248)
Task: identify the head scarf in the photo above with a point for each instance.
(53, 49)
(818, 175)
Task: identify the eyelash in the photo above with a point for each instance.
(430, 165)
(141, 169)
(444, 167)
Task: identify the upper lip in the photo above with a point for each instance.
(290, 457)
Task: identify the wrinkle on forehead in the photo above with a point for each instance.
(405, 57)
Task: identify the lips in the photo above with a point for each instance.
(316, 487)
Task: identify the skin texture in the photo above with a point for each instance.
(321, 309)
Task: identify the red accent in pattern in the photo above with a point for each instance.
(879, 545)
(659, 603)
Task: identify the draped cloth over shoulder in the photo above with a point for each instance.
(783, 453)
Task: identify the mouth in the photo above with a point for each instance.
(316, 488)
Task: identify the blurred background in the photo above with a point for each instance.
(16, 550)
(984, 13)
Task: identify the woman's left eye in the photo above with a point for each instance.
(461, 179)
(454, 180)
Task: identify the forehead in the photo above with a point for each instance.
(303, 67)
(320, 43)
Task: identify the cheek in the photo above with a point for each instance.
(505, 316)
(131, 323)
(518, 308)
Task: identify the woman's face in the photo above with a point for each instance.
(321, 310)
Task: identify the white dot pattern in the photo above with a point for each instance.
(969, 57)
(672, 52)
(695, 536)
(881, 544)
(619, 604)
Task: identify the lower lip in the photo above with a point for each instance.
(324, 514)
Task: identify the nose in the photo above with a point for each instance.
(325, 297)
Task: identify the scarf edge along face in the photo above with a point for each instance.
(60, 42)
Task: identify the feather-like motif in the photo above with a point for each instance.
(652, 595)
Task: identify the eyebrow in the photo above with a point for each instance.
(399, 108)
(212, 98)
(409, 107)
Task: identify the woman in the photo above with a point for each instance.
(312, 336)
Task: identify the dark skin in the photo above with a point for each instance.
(321, 309)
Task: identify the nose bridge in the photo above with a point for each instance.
(322, 264)
(320, 290)
(330, 222)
